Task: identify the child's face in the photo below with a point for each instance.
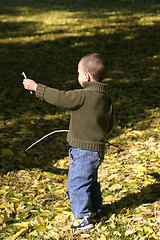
(82, 76)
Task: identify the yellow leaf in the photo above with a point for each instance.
(61, 218)
(41, 229)
(4, 189)
(158, 219)
(124, 190)
(103, 228)
(143, 238)
(40, 221)
(1, 219)
(155, 56)
(53, 234)
(115, 187)
(63, 162)
(8, 210)
(20, 206)
(15, 236)
(59, 209)
(2, 206)
(116, 233)
(15, 199)
(158, 233)
(66, 228)
(21, 225)
(130, 232)
(139, 229)
(148, 230)
(129, 220)
(112, 176)
(10, 230)
(125, 211)
(149, 181)
(137, 132)
(45, 213)
(98, 225)
(141, 168)
(60, 191)
(102, 237)
(135, 152)
(33, 233)
(109, 198)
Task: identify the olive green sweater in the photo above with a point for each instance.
(92, 113)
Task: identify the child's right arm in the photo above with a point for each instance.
(72, 99)
(65, 99)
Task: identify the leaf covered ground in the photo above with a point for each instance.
(46, 39)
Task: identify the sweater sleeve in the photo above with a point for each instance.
(66, 99)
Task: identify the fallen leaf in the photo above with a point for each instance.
(40, 221)
(19, 233)
(115, 187)
(21, 225)
(148, 230)
(130, 232)
(110, 198)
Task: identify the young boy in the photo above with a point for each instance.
(92, 119)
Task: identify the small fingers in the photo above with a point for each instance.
(25, 83)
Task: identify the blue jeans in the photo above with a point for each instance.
(83, 188)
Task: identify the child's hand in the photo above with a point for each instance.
(29, 84)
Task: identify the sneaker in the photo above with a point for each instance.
(100, 215)
(82, 224)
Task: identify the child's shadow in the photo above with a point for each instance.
(148, 194)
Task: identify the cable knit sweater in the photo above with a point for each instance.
(91, 109)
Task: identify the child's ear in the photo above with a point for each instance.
(87, 77)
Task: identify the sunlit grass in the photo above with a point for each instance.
(54, 24)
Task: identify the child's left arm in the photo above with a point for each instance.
(29, 84)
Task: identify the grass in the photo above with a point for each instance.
(46, 39)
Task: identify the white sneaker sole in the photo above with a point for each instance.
(87, 227)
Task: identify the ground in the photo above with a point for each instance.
(46, 39)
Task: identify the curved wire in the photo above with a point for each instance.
(45, 137)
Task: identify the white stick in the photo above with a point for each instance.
(23, 73)
(45, 137)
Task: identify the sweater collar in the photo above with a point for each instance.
(95, 86)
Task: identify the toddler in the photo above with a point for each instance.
(91, 121)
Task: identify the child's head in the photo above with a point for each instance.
(92, 67)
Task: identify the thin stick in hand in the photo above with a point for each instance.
(24, 75)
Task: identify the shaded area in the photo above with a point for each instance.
(131, 61)
(23, 133)
(16, 29)
(51, 57)
(71, 5)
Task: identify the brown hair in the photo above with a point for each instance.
(95, 64)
